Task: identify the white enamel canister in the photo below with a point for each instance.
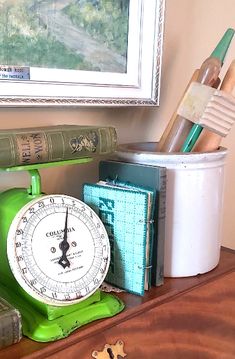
(194, 204)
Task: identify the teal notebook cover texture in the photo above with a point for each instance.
(126, 213)
(153, 177)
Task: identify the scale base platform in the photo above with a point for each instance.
(37, 327)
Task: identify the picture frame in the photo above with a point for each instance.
(135, 84)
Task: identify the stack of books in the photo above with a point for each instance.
(10, 324)
(130, 199)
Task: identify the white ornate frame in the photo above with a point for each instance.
(140, 85)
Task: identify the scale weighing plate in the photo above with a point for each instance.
(55, 255)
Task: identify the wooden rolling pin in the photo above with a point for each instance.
(176, 124)
(210, 141)
(208, 75)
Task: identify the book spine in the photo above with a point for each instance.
(23, 148)
(158, 250)
(10, 328)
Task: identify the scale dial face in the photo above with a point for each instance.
(58, 249)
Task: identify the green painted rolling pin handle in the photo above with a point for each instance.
(191, 138)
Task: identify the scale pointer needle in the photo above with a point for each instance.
(64, 245)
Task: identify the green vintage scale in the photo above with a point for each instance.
(54, 255)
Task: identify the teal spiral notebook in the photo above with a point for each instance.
(127, 215)
(154, 178)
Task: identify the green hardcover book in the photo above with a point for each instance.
(153, 177)
(10, 324)
(54, 143)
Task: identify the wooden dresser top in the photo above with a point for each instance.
(189, 318)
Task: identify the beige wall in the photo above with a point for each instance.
(192, 28)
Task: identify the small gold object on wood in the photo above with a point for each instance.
(110, 351)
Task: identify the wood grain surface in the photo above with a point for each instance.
(199, 324)
(186, 318)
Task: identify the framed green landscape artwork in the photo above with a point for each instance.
(80, 52)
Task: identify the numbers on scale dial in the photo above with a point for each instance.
(58, 249)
